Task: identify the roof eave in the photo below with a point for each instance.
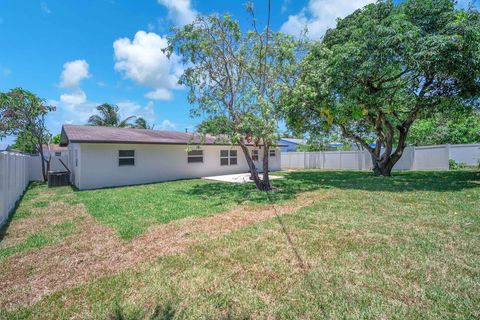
(161, 143)
(63, 138)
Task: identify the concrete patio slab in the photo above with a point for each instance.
(237, 178)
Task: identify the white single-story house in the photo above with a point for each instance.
(100, 157)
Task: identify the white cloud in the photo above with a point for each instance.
(143, 61)
(285, 5)
(73, 106)
(75, 98)
(167, 125)
(44, 7)
(74, 72)
(5, 71)
(130, 108)
(180, 11)
(319, 15)
(159, 94)
(73, 109)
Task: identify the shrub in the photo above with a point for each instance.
(454, 165)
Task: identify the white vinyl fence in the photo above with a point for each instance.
(465, 153)
(413, 158)
(14, 178)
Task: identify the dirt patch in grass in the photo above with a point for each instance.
(96, 250)
(42, 217)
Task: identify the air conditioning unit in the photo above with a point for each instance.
(58, 178)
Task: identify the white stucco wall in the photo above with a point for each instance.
(74, 157)
(98, 164)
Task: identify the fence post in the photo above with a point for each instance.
(448, 156)
(3, 198)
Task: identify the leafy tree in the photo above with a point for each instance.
(109, 117)
(385, 66)
(313, 145)
(214, 125)
(23, 113)
(236, 78)
(290, 134)
(56, 138)
(141, 123)
(441, 129)
(25, 143)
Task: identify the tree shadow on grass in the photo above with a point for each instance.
(401, 181)
(295, 182)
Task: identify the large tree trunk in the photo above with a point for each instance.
(42, 159)
(266, 175)
(259, 183)
(383, 167)
(384, 163)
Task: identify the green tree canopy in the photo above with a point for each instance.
(108, 116)
(235, 78)
(56, 138)
(141, 123)
(215, 125)
(25, 142)
(23, 113)
(385, 66)
(442, 129)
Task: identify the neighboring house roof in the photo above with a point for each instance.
(294, 141)
(96, 134)
(55, 148)
(4, 147)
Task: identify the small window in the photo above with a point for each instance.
(224, 157)
(273, 153)
(228, 157)
(126, 157)
(255, 155)
(58, 154)
(195, 156)
(233, 157)
(76, 158)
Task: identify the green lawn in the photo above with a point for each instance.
(406, 247)
(131, 210)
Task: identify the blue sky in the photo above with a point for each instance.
(79, 54)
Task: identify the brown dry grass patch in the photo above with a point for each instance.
(55, 213)
(96, 250)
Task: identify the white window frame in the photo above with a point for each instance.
(272, 153)
(58, 153)
(194, 156)
(132, 157)
(229, 157)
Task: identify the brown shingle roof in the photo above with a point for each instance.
(94, 134)
(55, 148)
